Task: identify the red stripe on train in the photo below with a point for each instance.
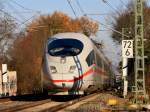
(73, 80)
(83, 75)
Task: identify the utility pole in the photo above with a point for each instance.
(140, 96)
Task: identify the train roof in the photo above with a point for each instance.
(82, 38)
(79, 36)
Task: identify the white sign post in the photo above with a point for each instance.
(5, 76)
(127, 52)
(125, 88)
(4, 72)
(8, 82)
(12, 83)
(124, 67)
(1, 89)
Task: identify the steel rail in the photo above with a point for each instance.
(51, 109)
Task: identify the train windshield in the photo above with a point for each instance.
(65, 47)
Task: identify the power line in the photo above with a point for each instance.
(103, 30)
(99, 14)
(94, 14)
(72, 8)
(21, 12)
(81, 9)
(123, 3)
(108, 4)
(107, 27)
(13, 8)
(13, 1)
(19, 5)
(23, 23)
(18, 13)
(9, 15)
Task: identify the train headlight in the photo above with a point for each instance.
(53, 69)
(72, 68)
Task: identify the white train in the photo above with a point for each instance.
(72, 64)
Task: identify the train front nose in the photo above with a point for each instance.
(65, 74)
(63, 66)
(64, 81)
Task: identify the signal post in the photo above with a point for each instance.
(127, 52)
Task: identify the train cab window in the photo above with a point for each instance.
(90, 58)
(65, 47)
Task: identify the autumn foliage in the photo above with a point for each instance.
(28, 49)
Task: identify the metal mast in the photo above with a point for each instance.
(140, 90)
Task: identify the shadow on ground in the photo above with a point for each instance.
(39, 97)
(64, 98)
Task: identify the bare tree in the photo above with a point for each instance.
(7, 35)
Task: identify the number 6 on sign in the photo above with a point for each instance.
(127, 48)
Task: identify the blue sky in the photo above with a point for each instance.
(49, 6)
(89, 6)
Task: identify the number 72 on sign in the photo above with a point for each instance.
(127, 48)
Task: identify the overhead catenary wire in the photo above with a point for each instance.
(24, 21)
(21, 12)
(98, 14)
(109, 5)
(76, 16)
(9, 15)
(21, 24)
(14, 9)
(68, 1)
(107, 27)
(84, 14)
(82, 11)
(25, 8)
(122, 2)
(80, 7)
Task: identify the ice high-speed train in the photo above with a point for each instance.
(72, 64)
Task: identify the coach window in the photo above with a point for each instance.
(90, 58)
(106, 67)
(99, 63)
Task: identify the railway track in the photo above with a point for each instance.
(92, 102)
(2, 100)
(44, 105)
(23, 106)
